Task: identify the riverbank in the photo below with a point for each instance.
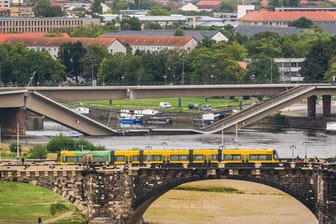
(253, 204)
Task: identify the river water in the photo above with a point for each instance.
(316, 143)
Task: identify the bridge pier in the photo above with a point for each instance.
(326, 100)
(311, 104)
(10, 118)
(325, 182)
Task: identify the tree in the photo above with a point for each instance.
(266, 43)
(91, 60)
(158, 11)
(87, 31)
(330, 74)
(112, 68)
(263, 69)
(130, 23)
(317, 62)
(179, 32)
(59, 143)
(38, 152)
(70, 55)
(96, 7)
(43, 8)
(302, 22)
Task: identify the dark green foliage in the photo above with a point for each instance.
(279, 119)
(59, 143)
(130, 23)
(317, 62)
(179, 32)
(38, 152)
(302, 23)
(13, 147)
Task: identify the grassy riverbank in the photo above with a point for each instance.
(202, 202)
(215, 102)
(25, 203)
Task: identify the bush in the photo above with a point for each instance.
(12, 147)
(38, 152)
(60, 143)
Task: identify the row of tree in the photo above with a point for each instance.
(209, 62)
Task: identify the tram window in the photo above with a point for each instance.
(183, 157)
(119, 158)
(232, 157)
(198, 157)
(99, 158)
(154, 157)
(70, 159)
(260, 157)
(214, 157)
(135, 158)
(178, 157)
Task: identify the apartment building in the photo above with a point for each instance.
(46, 24)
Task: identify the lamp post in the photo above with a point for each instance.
(271, 70)
(122, 80)
(17, 141)
(292, 147)
(305, 144)
(182, 81)
(165, 78)
(0, 143)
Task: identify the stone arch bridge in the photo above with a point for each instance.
(117, 195)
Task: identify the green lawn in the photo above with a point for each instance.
(25, 203)
(217, 103)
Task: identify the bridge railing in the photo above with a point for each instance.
(265, 104)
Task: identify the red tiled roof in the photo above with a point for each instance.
(289, 16)
(29, 35)
(152, 40)
(55, 41)
(208, 4)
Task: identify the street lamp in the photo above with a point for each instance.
(165, 78)
(122, 80)
(0, 143)
(305, 144)
(292, 147)
(271, 70)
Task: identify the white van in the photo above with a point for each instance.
(165, 105)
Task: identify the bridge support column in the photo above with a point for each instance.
(108, 196)
(10, 118)
(311, 104)
(326, 99)
(325, 182)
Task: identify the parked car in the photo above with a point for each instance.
(193, 106)
(165, 105)
(205, 107)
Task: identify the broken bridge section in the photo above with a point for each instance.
(13, 104)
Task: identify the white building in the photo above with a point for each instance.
(244, 9)
(155, 43)
(52, 44)
(290, 69)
